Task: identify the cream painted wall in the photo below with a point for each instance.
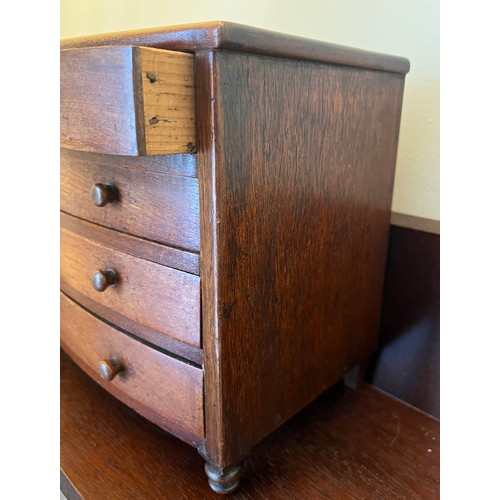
(402, 27)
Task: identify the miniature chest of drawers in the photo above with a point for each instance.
(225, 207)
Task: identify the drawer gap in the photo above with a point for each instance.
(136, 338)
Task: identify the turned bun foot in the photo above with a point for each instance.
(223, 481)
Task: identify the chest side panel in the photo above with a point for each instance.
(299, 195)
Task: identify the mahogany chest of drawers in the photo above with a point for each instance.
(225, 206)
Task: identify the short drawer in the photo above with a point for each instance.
(127, 100)
(133, 195)
(163, 389)
(158, 297)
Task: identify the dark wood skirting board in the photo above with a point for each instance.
(407, 362)
(413, 222)
(329, 450)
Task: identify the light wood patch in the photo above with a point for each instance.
(168, 100)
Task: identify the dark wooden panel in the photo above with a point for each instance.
(346, 445)
(158, 297)
(232, 36)
(295, 221)
(109, 105)
(407, 363)
(150, 204)
(163, 389)
(149, 250)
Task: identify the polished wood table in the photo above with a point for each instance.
(347, 444)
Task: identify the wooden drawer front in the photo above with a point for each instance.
(161, 298)
(163, 389)
(150, 203)
(127, 101)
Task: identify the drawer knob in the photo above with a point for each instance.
(102, 194)
(109, 368)
(102, 279)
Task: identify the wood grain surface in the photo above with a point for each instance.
(407, 361)
(346, 445)
(163, 389)
(168, 95)
(151, 203)
(108, 105)
(295, 193)
(138, 247)
(156, 296)
(185, 165)
(232, 36)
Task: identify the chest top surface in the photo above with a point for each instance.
(237, 37)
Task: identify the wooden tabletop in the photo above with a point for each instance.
(346, 445)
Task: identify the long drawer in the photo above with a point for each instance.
(163, 299)
(163, 389)
(133, 195)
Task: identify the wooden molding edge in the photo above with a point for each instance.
(418, 223)
(223, 35)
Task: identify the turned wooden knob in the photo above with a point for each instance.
(102, 279)
(102, 194)
(108, 368)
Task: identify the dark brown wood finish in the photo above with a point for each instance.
(103, 279)
(110, 368)
(103, 194)
(294, 233)
(407, 362)
(223, 481)
(151, 203)
(345, 445)
(236, 37)
(138, 247)
(162, 299)
(163, 389)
